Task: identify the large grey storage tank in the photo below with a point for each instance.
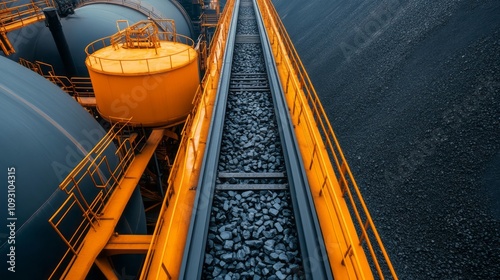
(90, 22)
(45, 133)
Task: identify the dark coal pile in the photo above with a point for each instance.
(412, 89)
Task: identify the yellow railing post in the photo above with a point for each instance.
(209, 83)
(311, 113)
(96, 161)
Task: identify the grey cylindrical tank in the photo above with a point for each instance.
(45, 133)
(172, 9)
(87, 24)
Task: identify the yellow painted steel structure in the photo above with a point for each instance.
(101, 213)
(80, 88)
(164, 257)
(13, 17)
(351, 239)
(352, 242)
(144, 75)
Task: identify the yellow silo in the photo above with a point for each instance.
(143, 74)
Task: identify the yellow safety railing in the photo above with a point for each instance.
(305, 98)
(11, 14)
(47, 71)
(14, 17)
(201, 104)
(77, 87)
(143, 34)
(33, 66)
(122, 37)
(88, 188)
(64, 83)
(83, 86)
(209, 19)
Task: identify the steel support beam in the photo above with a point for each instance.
(97, 239)
(121, 244)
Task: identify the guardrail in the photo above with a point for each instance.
(76, 87)
(82, 86)
(121, 37)
(88, 187)
(305, 98)
(12, 14)
(200, 110)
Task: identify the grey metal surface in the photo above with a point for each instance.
(235, 187)
(252, 175)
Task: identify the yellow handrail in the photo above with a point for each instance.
(87, 177)
(209, 82)
(77, 87)
(14, 17)
(306, 99)
(9, 16)
(123, 37)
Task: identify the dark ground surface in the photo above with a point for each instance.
(412, 89)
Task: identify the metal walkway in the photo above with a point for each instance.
(101, 213)
(13, 17)
(309, 234)
(353, 247)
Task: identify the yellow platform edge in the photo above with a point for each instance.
(331, 181)
(165, 254)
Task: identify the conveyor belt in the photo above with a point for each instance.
(251, 178)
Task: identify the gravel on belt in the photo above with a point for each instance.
(252, 233)
(252, 236)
